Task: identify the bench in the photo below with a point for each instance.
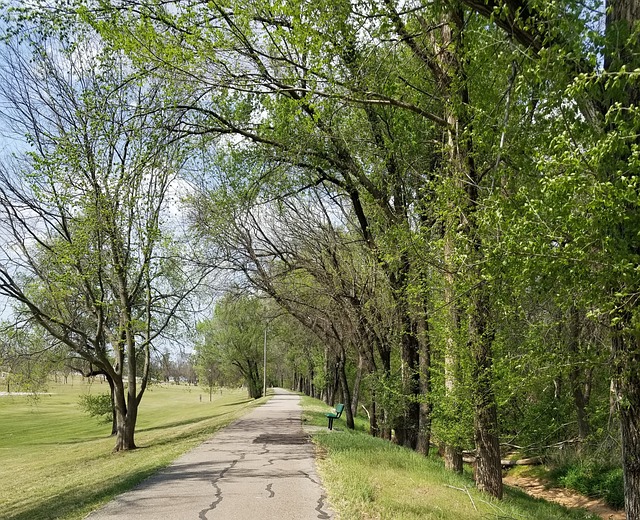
(335, 415)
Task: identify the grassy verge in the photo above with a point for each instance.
(369, 478)
(55, 462)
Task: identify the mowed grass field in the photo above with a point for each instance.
(368, 478)
(56, 462)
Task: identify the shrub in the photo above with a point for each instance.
(97, 406)
(593, 479)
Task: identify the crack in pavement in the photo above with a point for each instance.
(322, 514)
(271, 491)
(202, 515)
(309, 477)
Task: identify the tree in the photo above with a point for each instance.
(85, 255)
(26, 358)
(234, 337)
(207, 364)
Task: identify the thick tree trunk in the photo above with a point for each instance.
(252, 378)
(452, 453)
(487, 440)
(126, 401)
(385, 360)
(412, 391)
(622, 19)
(126, 416)
(312, 385)
(626, 356)
(620, 50)
(407, 424)
(452, 458)
(630, 433)
(488, 470)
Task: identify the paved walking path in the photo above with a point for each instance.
(261, 467)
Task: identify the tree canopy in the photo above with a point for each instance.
(440, 196)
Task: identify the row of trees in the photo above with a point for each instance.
(440, 196)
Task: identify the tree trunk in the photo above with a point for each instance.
(577, 373)
(346, 393)
(626, 356)
(487, 441)
(385, 359)
(112, 391)
(407, 424)
(256, 381)
(125, 419)
(411, 389)
(452, 453)
(622, 18)
(373, 416)
(452, 458)
(126, 401)
(424, 432)
(356, 385)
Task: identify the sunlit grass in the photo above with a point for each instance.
(369, 478)
(56, 462)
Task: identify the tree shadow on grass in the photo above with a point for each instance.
(79, 440)
(176, 424)
(242, 401)
(80, 500)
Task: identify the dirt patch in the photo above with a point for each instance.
(537, 488)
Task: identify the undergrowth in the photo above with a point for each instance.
(370, 478)
(593, 479)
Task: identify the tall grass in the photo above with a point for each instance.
(369, 478)
(56, 462)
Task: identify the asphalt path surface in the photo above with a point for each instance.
(260, 467)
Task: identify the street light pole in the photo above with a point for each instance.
(264, 368)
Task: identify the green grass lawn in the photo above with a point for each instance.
(368, 478)
(56, 462)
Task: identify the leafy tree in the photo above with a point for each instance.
(234, 337)
(207, 364)
(27, 359)
(86, 256)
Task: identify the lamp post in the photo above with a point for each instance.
(264, 368)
